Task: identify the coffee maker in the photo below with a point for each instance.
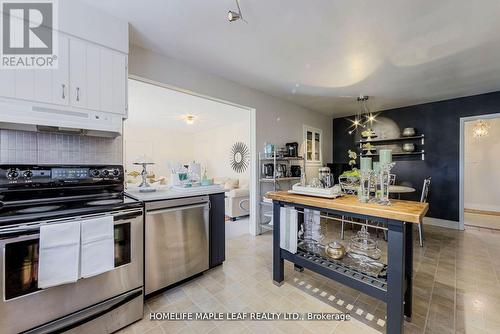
(268, 170)
(295, 171)
(292, 149)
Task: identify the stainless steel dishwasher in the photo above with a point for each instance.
(176, 245)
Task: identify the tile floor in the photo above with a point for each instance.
(456, 290)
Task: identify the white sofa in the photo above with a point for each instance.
(237, 198)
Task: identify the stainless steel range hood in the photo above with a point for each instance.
(26, 117)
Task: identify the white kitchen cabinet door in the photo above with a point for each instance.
(43, 86)
(106, 78)
(25, 84)
(77, 73)
(8, 83)
(51, 85)
(93, 86)
(60, 77)
(120, 78)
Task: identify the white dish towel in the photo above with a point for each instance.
(59, 254)
(288, 229)
(97, 246)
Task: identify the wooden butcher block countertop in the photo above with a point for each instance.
(406, 211)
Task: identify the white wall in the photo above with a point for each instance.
(482, 168)
(277, 120)
(159, 145)
(212, 148)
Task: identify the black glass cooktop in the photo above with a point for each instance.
(15, 213)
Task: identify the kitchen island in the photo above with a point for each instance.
(184, 234)
(399, 218)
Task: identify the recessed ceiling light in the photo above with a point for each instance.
(190, 119)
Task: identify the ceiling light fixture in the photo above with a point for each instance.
(190, 119)
(358, 118)
(481, 129)
(235, 16)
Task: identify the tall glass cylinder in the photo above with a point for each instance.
(384, 182)
(365, 186)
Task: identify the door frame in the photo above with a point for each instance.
(253, 220)
(463, 120)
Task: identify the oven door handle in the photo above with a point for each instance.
(20, 230)
(26, 229)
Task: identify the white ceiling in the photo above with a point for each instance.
(321, 53)
(152, 106)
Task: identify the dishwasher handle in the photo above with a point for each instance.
(177, 208)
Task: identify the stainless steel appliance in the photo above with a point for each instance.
(32, 196)
(268, 170)
(177, 240)
(281, 170)
(325, 177)
(292, 149)
(295, 171)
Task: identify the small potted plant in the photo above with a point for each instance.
(354, 173)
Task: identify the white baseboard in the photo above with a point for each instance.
(442, 223)
(482, 207)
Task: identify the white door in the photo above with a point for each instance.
(77, 73)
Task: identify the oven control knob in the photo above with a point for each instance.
(95, 172)
(105, 173)
(12, 174)
(28, 174)
(116, 172)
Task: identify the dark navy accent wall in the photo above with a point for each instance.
(440, 122)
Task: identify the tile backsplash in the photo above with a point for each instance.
(24, 147)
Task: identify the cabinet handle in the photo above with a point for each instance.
(63, 91)
(78, 93)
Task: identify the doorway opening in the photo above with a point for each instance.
(212, 140)
(480, 172)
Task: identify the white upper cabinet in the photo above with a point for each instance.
(77, 69)
(51, 86)
(39, 85)
(98, 77)
(120, 83)
(88, 76)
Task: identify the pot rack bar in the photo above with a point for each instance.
(343, 220)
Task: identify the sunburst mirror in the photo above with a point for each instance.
(239, 159)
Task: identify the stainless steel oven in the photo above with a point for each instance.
(25, 307)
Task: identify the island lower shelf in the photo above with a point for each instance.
(375, 287)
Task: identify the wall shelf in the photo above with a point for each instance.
(383, 142)
(390, 140)
(275, 183)
(397, 154)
